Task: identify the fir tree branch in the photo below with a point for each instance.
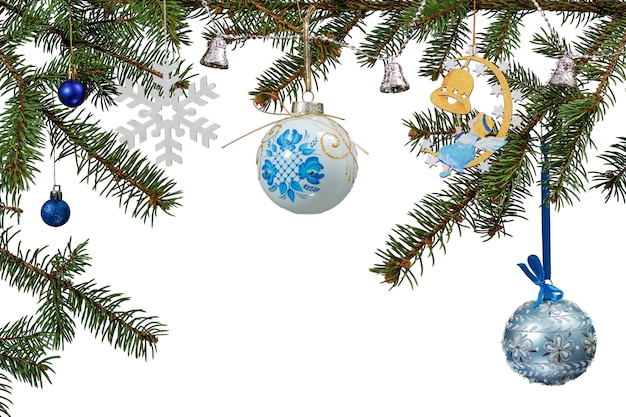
(21, 270)
(21, 129)
(97, 308)
(129, 175)
(25, 370)
(382, 37)
(5, 391)
(11, 209)
(613, 181)
(133, 62)
(264, 10)
(22, 350)
(437, 216)
(615, 57)
(600, 8)
(286, 77)
(502, 35)
(453, 37)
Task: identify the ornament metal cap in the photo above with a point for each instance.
(393, 80)
(215, 56)
(56, 193)
(306, 107)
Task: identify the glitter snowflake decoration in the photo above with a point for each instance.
(171, 128)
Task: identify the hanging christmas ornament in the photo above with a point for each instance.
(307, 164)
(72, 92)
(215, 56)
(171, 100)
(55, 212)
(483, 139)
(393, 81)
(564, 72)
(551, 340)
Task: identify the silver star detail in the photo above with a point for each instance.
(504, 66)
(516, 121)
(431, 161)
(496, 90)
(449, 64)
(480, 70)
(516, 95)
(484, 166)
(498, 111)
(425, 144)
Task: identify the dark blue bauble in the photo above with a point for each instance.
(55, 212)
(72, 93)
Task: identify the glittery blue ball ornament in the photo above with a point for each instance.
(55, 212)
(72, 93)
(549, 343)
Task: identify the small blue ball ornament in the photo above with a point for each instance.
(550, 342)
(72, 93)
(55, 212)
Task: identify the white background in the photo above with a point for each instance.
(275, 314)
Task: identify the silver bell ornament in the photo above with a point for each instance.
(564, 73)
(306, 163)
(215, 56)
(551, 340)
(393, 80)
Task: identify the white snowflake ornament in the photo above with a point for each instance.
(168, 128)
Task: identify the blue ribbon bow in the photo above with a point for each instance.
(538, 276)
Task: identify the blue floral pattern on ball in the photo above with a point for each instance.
(311, 170)
(268, 172)
(290, 167)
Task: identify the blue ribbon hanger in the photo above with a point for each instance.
(542, 273)
(538, 276)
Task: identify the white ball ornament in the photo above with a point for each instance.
(307, 163)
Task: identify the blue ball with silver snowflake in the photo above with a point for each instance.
(550, 342)
(55, 212)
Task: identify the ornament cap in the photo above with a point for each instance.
(306, 107)
(56, 193)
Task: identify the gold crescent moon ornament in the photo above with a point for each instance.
(453, 96)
